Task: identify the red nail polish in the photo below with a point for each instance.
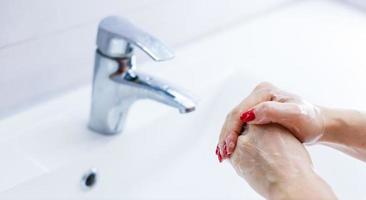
(220, 157)
(247, 116)
(217, 150)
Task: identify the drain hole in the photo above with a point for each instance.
(89, 179)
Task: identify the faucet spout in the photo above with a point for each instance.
(114, 93)
(147, 87)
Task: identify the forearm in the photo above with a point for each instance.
(309, 186)
(345, 130)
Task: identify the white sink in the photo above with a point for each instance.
(46, 150)
(170, 157)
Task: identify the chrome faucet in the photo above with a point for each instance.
(116, 84)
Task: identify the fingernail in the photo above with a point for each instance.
(247, 116)
(220, 158)
(218, 153)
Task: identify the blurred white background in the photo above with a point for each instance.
(47, 47)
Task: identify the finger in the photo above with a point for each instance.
(242, 158)
(286, 114)
(230, 142)
(233, 125)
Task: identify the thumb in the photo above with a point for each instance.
(273, 112)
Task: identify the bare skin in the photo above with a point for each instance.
(344, 130)
(271, 158)
(277, 165)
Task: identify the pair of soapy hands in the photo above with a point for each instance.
(262, 137)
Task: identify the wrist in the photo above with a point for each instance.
(331, 122)
(308, 185)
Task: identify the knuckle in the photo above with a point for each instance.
(271, 93)
(266, 107)
(267, 90)
(263, 85)
(235, 112)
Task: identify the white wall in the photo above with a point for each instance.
(47, 46)
(359, 3)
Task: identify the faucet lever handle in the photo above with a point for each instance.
(116, 34)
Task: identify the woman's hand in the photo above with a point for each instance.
(268, 104)
(277, 165)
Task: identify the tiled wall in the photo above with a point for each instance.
(47, 46)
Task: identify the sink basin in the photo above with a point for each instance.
(171, 156)
(168, 157)
(48, 152)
